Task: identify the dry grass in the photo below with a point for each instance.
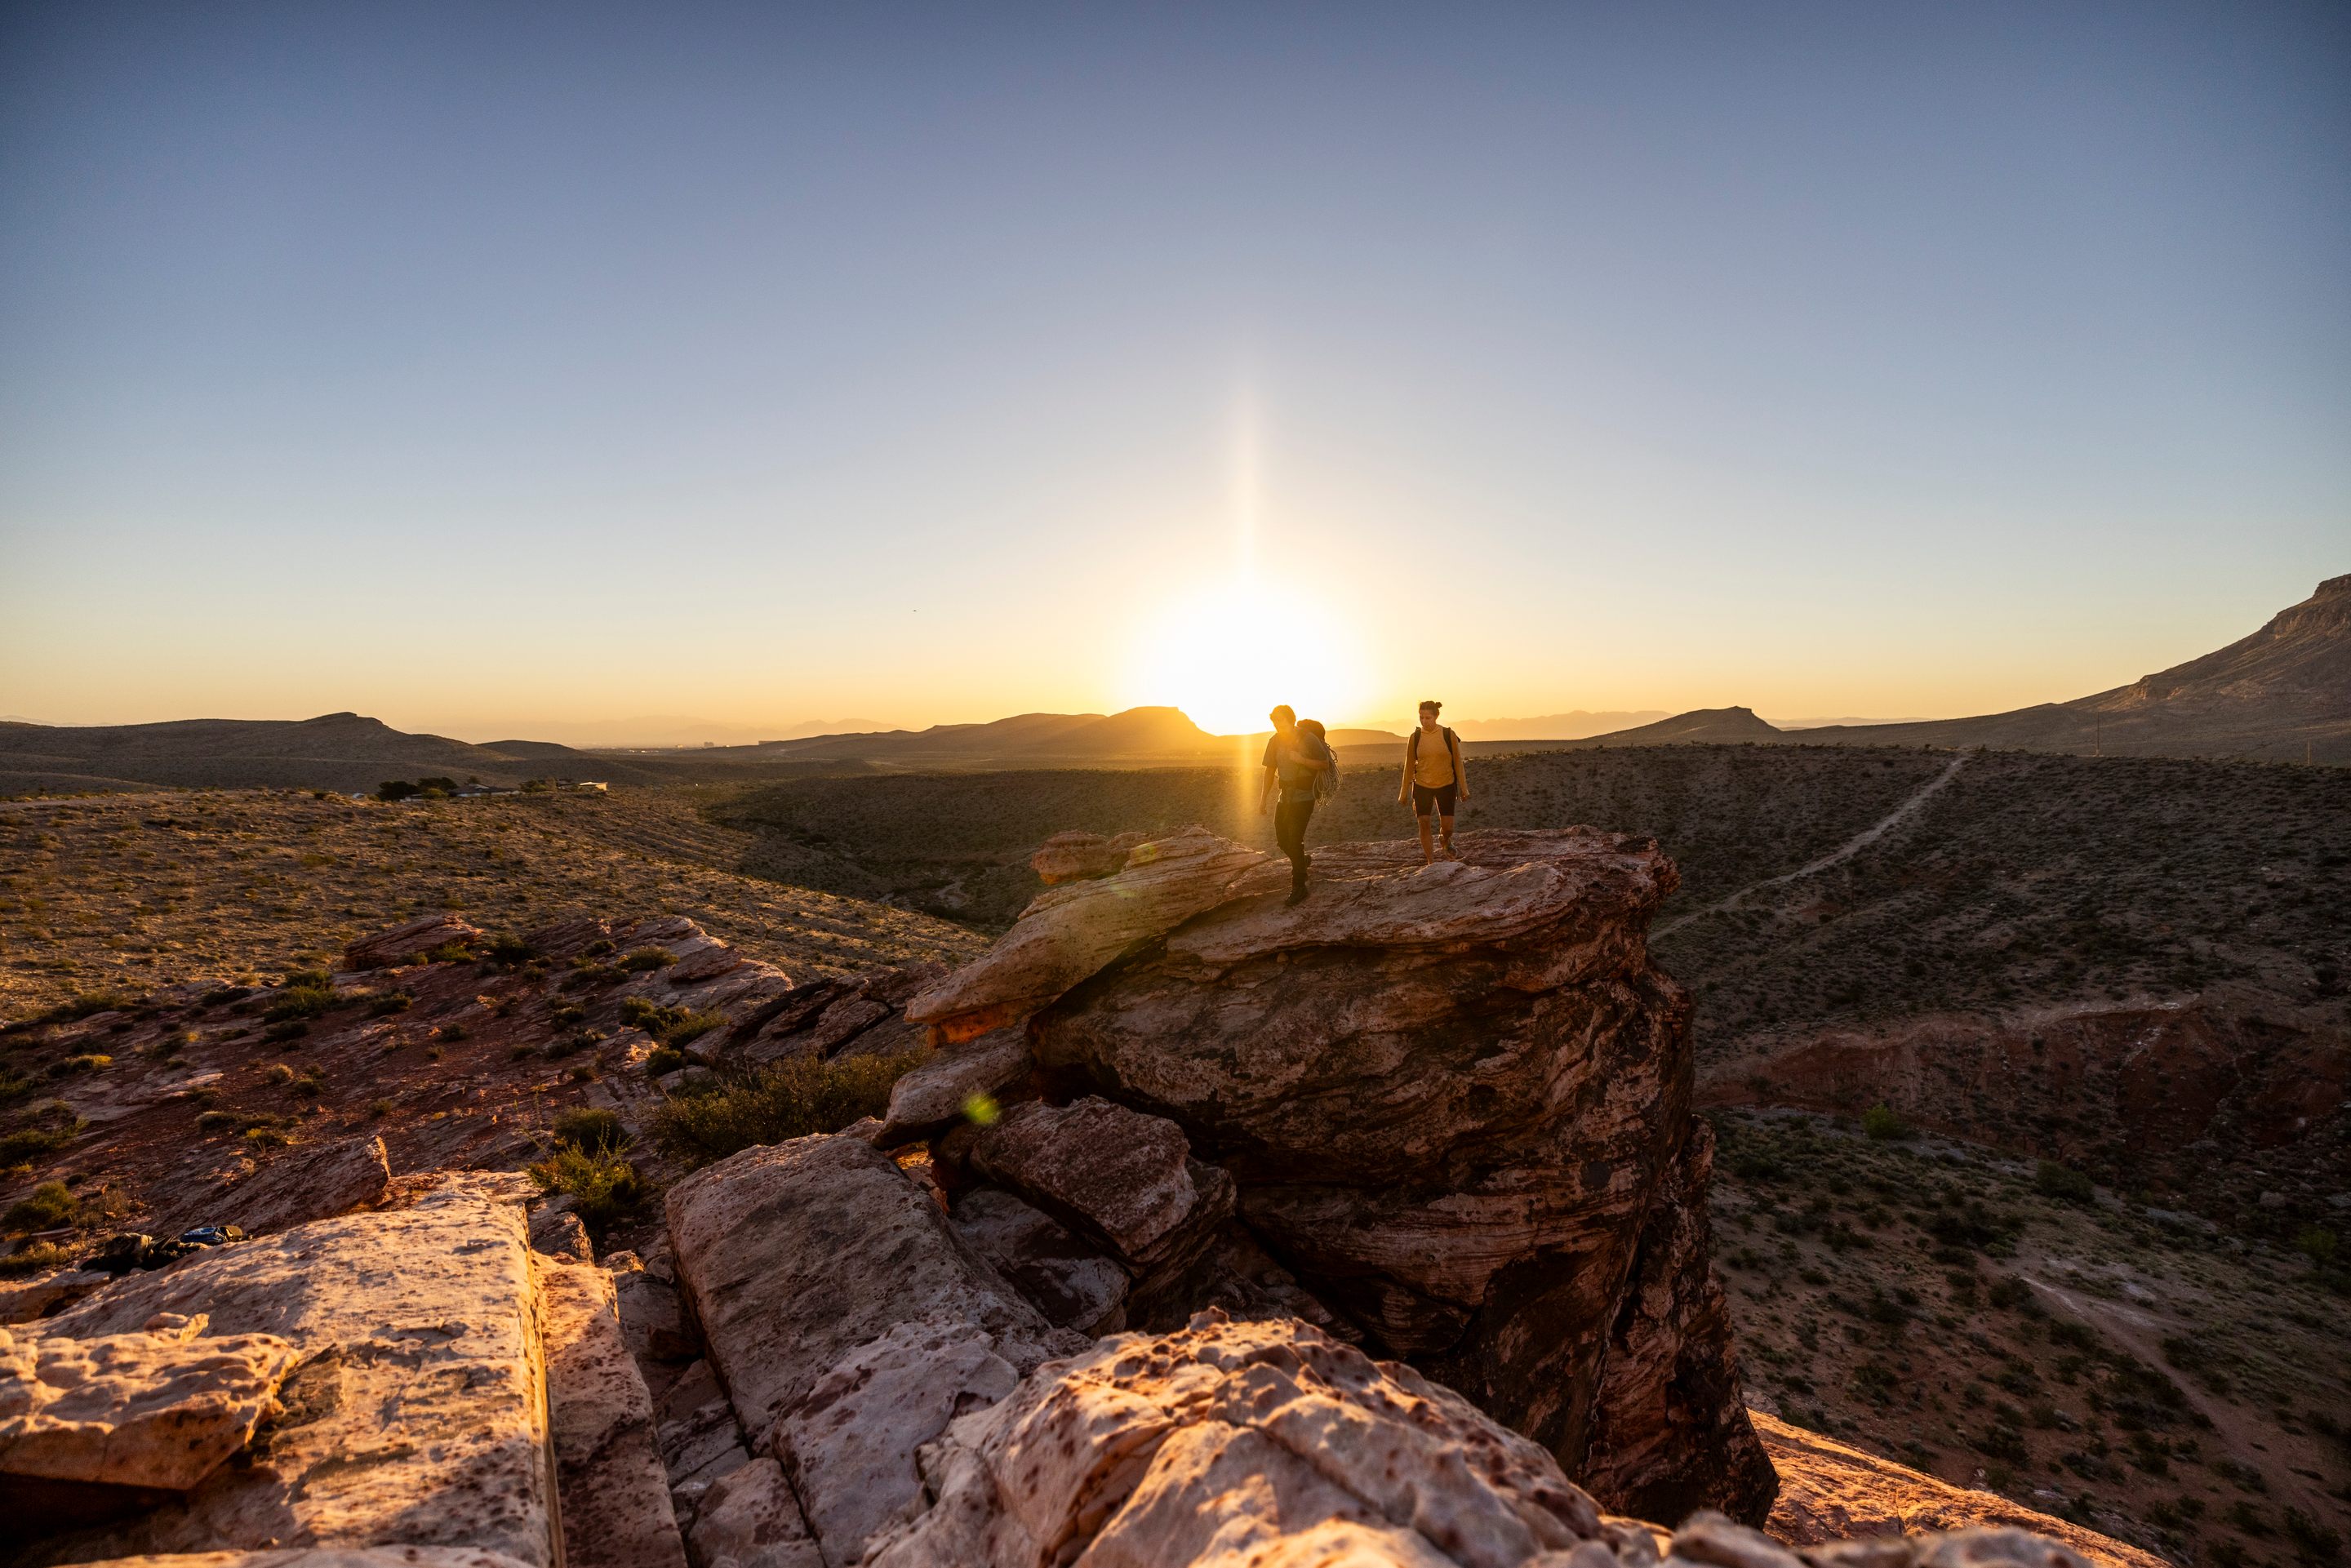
(116, 894)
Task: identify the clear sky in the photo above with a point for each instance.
(500, 367)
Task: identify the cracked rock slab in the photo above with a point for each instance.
(160, 1410)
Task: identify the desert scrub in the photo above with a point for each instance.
(2063, 1183)
(87, 1003)
(1883, 1124)
(670, 1025)
(91, 1062)
(588, 1128)
(644, 958)
(789, 1100)
(390, 1002)
(52, 1203)
(41, 1257)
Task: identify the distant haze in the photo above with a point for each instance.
(531, 367)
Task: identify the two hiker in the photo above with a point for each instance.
(1302, 769)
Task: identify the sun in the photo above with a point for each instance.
(1227, 655)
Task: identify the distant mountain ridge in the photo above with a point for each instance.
(2283, 694)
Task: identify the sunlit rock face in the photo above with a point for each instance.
(1454, 1101)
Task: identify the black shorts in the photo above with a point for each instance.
(1440, 798)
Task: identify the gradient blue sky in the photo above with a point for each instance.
(496, 368)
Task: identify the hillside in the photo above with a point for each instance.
(117, 892)
(339, 751)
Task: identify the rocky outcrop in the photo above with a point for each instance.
(1073, 931)
(161, 1410)
(1455, 1101)
(846, 1320)
(421, 1377)
(1830, 1491)
(941, 1092)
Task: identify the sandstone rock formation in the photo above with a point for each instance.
(612, 1489)
(1831, 1490)
(422, 1378)
(1455, 1102)
(1070, 932)
(159, 1409)
(846, 1320)
(404, 944)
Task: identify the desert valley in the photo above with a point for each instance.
(1990, 1111)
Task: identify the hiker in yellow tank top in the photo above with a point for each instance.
(1434, 779)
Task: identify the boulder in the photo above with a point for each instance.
(846, 1320)
(421, 1377)
(1226, 1438)
(1071, 1283)
(306, 1183)
(1831, 1490)
(864, 1017)
(403, 944)
(557, 1232)
(1072, 857)
(1071, 932)
(1455, 1101)
(652, 1321)
(850, 1447)
(1124, 1180)
(614, 1490)
(935, 1095)
(796, 1254)
(161, 1409)
(750, 1520)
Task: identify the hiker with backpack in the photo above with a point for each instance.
(1434, 779)
(1301, 766)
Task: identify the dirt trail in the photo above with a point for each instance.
(1843, 852)
(2248, 1440)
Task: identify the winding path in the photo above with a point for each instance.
(1843, 852)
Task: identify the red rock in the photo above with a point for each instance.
(1122, 1179)
(404, 944)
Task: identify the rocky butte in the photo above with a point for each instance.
(1369, 1231)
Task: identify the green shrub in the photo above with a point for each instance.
(277, 1072)
(2316, 1243)
(217, 1120)
(51, 1205)
(312, 980)
(589, 1128)
(26, 1144)
(2063, 1183)
(664, 1061)
(1883, 1124)
(41, 1257)
(391, 1002)
(300, 1002)
(91, 1062)
(669, 1025)
(454, 951)
(603, 1186)
(292, 1029)
(644, 958)
(509, 951)
(394, 790)
(789, 1100)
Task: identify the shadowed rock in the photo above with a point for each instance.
(403, 944)
(935, 1095)
(309, 1183)
(614, 1490)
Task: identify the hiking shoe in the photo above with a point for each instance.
(1297, 896)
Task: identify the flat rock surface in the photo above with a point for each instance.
(609, 1472)
(1831, 1490)
(159, 1409)
(1073, 930)
(417, 1413)
(797, 1253)
(750, 1518)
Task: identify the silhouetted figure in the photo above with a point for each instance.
(1293, 763)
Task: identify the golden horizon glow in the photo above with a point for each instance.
(1227, 655)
